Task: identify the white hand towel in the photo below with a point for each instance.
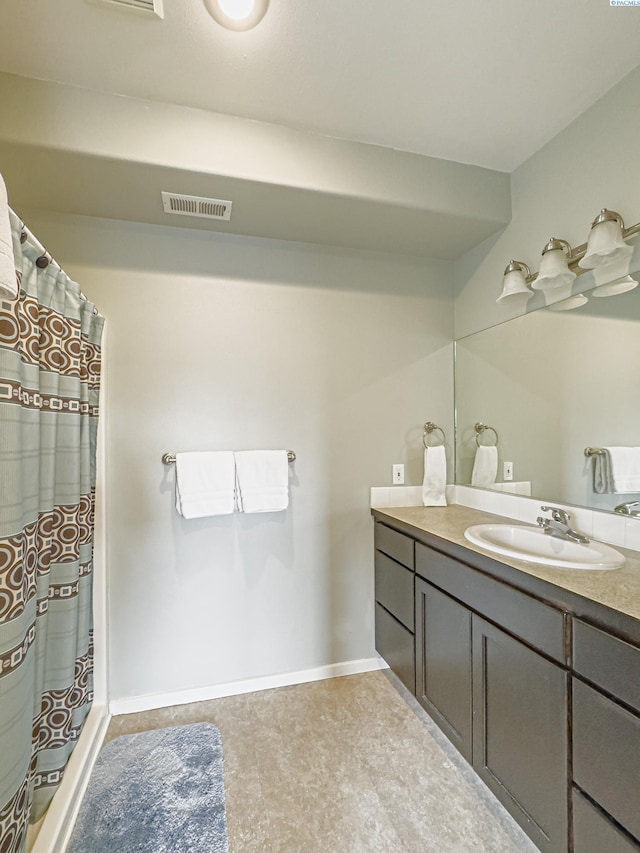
(205, 483)
(8, 281)
(485, 466)
(263, 480)
(617, 470)
(435, 476)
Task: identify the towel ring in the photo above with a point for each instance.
(480, 428)
(430, 427)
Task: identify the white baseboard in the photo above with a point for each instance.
(135, 704)
(58, 822)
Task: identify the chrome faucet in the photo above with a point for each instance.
(628, 508)
(558, 525)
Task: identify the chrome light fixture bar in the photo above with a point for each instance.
(561, 262)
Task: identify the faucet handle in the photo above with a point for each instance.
(557, 514)
(628, 508)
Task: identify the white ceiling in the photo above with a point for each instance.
(486, 83)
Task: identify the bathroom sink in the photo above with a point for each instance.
(535, 546)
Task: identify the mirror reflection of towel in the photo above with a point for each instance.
(435, 476)
(485, 466)
(616, 470)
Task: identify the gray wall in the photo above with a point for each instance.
(230, 343)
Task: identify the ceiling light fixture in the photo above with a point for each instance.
(237, 14)
(605, 250)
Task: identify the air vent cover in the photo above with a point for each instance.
(153, 6)
(193, 205)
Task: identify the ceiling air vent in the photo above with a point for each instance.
(153, 6)
(193, 205)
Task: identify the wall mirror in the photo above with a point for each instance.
(553, 383)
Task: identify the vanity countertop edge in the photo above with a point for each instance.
(607, 599)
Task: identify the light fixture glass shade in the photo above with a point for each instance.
(237, 14)
(554, 267)
(570, 303)
(622, 285)
(605, 243)
(514, 282)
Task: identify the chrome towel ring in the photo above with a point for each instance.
(430, 427)
(480, 428)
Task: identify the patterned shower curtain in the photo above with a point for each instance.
(49, 385)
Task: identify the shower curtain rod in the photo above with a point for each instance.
(27, 236)
(45, 258)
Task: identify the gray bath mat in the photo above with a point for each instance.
(156, 792)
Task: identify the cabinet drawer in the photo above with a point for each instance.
(594, 833)
(536, 623)
(394, 589)
(607, 661)
(394, 544)
(606, 755)
(395, 644)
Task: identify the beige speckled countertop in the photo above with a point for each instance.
(618, 589)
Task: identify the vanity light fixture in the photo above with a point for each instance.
(561, 264)
(606, 241)
(554, 266)
(515, 280)
(237, 15)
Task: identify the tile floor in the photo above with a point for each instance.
(348, 765)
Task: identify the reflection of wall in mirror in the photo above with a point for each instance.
(553, 384)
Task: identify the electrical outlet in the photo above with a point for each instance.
(398, 475)
(507, 471)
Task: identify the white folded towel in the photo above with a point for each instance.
(435, 476)
(8, 281)
(205, 483)
(617, 470)
(262, 480)
(485, 466)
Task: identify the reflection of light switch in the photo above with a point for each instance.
(398, 475)
(507, 471)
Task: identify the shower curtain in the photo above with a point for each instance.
(49, 385)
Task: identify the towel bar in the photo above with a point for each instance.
(169, 458)
(593, 451)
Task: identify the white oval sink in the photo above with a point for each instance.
(535, 546)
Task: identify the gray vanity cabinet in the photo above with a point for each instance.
(537, 688)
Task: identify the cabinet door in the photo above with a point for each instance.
(520, 733)
(443, 663)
